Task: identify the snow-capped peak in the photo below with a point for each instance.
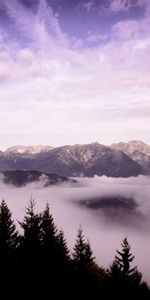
(19, 149)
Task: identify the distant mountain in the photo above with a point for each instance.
(18, 149)
(87, 160)
(116, 160)
(137, 151)
(21, 178)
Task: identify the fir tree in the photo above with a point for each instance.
(49, 250)
(8, 250)
(48, 240)
(29, 252)
(82, 254)
(122, 277)
(48, 229)
(8, 234)
(123, 260)
(30, 240)
(89, 254)
(63, 251)
(85, 277)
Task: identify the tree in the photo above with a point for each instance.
(8, 250)
(29, 251)
(85, 278)
(124, 260)
(31, 238)
(63, 251)
(63, 265)
(48, 240)
(82, 254)
(48, 229)
(122, 277)
(8, 235)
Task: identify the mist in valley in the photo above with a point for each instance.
(122, 209)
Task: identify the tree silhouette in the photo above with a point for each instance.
(63, 251)
(31, 229)
(40, 263)
(30, 240)
(48, 248)
(122, 276)
(8, 235)
(82, 254)
(8, 250)
(84, 266)
(48, 229)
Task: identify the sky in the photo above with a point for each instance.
(74, 71)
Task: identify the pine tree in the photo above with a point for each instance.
(30, 241)
(49, 246)
(8, 250)
(63, 251)
(82, 254)
(49, 250)
(48, 229)
(85, 269)
(122, 276)
(89, 254)
(8, 235)
(123, 261)
(29, 251)
(63, 265)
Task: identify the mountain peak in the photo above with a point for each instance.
(19, 149)
(117, 160)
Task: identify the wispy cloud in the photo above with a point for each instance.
(120, 5)
(41, 28)
(68, 81)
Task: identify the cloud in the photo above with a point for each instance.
(131, 29)
(126, 29)
(105, 235)
(123, 6)
(61, 84)
(95, 37)
(41, 29)
(68, 81)
(87, 5)
(120, 5)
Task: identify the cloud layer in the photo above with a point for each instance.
(104, 234)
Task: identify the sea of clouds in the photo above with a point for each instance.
(105, 234)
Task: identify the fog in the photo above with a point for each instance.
(104, 229)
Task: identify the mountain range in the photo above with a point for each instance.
(116, 160)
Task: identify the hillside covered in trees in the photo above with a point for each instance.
(37, 262)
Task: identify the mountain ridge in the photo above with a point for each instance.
(116, 160)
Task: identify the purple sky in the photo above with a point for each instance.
(74, 71)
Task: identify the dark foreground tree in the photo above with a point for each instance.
(82, 254)
(86, 272)
(8, 236)
(8, 250)
(29, 254)
(123, 278)
(62, 250)
(38, 263)
(30, 241)
(48, 238)
(48, 251)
